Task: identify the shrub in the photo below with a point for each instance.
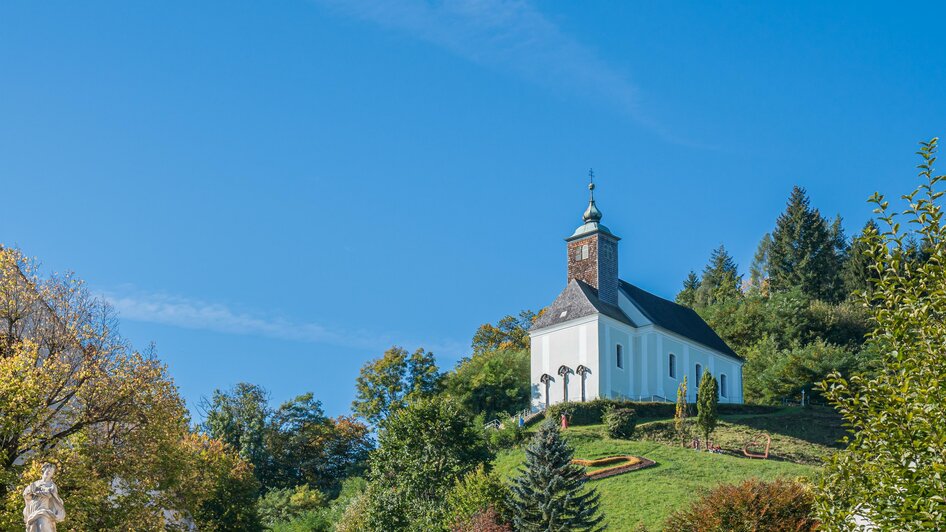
(474, 494)
(286, 504)
(483, 521)
(592, 412)
(508, 436)
(620, 422)
(753, 505)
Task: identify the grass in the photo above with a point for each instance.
(800, 439)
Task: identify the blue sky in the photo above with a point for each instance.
(275, 192)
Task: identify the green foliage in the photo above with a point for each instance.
(422, 450)
(893, 471)
(510, 334)
(292, 445)
(759, 269)
(779, 506)
(652, 494)
(620, 422)
(387, 384)
(476, 493)
(509, 434)
(707, 401)
(691, 286)
(721, 279)
(287, 504)
(804, 252)
(549, 494)
(492, 383)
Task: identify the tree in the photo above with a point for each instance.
(385, 384)
(74, 392)
(510, 333)
(492, 383)
(892, 470)
(292, 445)
(423, 449)
(707, 401)
(759, 269)
(857, 267)
(682, 412)
(549, 494)
(238, 418)
(720, 280)
(804, 251)
(691, 286)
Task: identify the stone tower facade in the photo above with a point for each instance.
(593, 254)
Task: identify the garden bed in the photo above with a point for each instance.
(618, 465)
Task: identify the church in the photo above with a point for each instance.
(603, 337)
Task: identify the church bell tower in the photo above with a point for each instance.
(593, 252)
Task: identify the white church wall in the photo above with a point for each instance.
(616, 381)
(571, 345)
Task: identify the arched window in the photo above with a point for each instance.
(722, 385)
(619, 356)
(699, 375)
(673, 366)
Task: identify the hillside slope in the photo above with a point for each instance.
(681, 475)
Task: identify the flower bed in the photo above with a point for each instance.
(622, 464)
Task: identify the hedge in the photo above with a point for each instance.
(592, 412)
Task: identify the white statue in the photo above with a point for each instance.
(43, 508)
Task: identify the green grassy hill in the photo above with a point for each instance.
(800, 438)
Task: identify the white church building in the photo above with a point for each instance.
(606, 338)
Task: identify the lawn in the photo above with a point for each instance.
(648, 496)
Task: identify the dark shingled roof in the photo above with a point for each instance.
(577, 301)
(676, 318)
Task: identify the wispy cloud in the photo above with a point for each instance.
(511, 35)
(187, 313)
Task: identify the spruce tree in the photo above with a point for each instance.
(720, 280)
(707, 401)
(759, 269)
(549, 494)
(857, 271)
(804, 251)
(687, 296)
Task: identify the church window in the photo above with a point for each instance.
(582, 252)
(699, 374)
(673, 366)
(619, 356)
(722, 385)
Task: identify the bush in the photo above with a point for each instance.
(476, 493)
(753, 505)
(506, 437)
(592, 412)
(483, 521)
(620, 422)
(286, 504)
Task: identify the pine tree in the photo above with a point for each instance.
(707, 401)
(857, 271)
(720, 280)
(804, 251)
(759, 270)
(681, 414)
(687, 296)
(549, 493)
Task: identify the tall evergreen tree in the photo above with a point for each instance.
(687, 296)
(707, 401)
(857, 271)
(804, 251)
(549, 494)
(720, 280)
(759, 269)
